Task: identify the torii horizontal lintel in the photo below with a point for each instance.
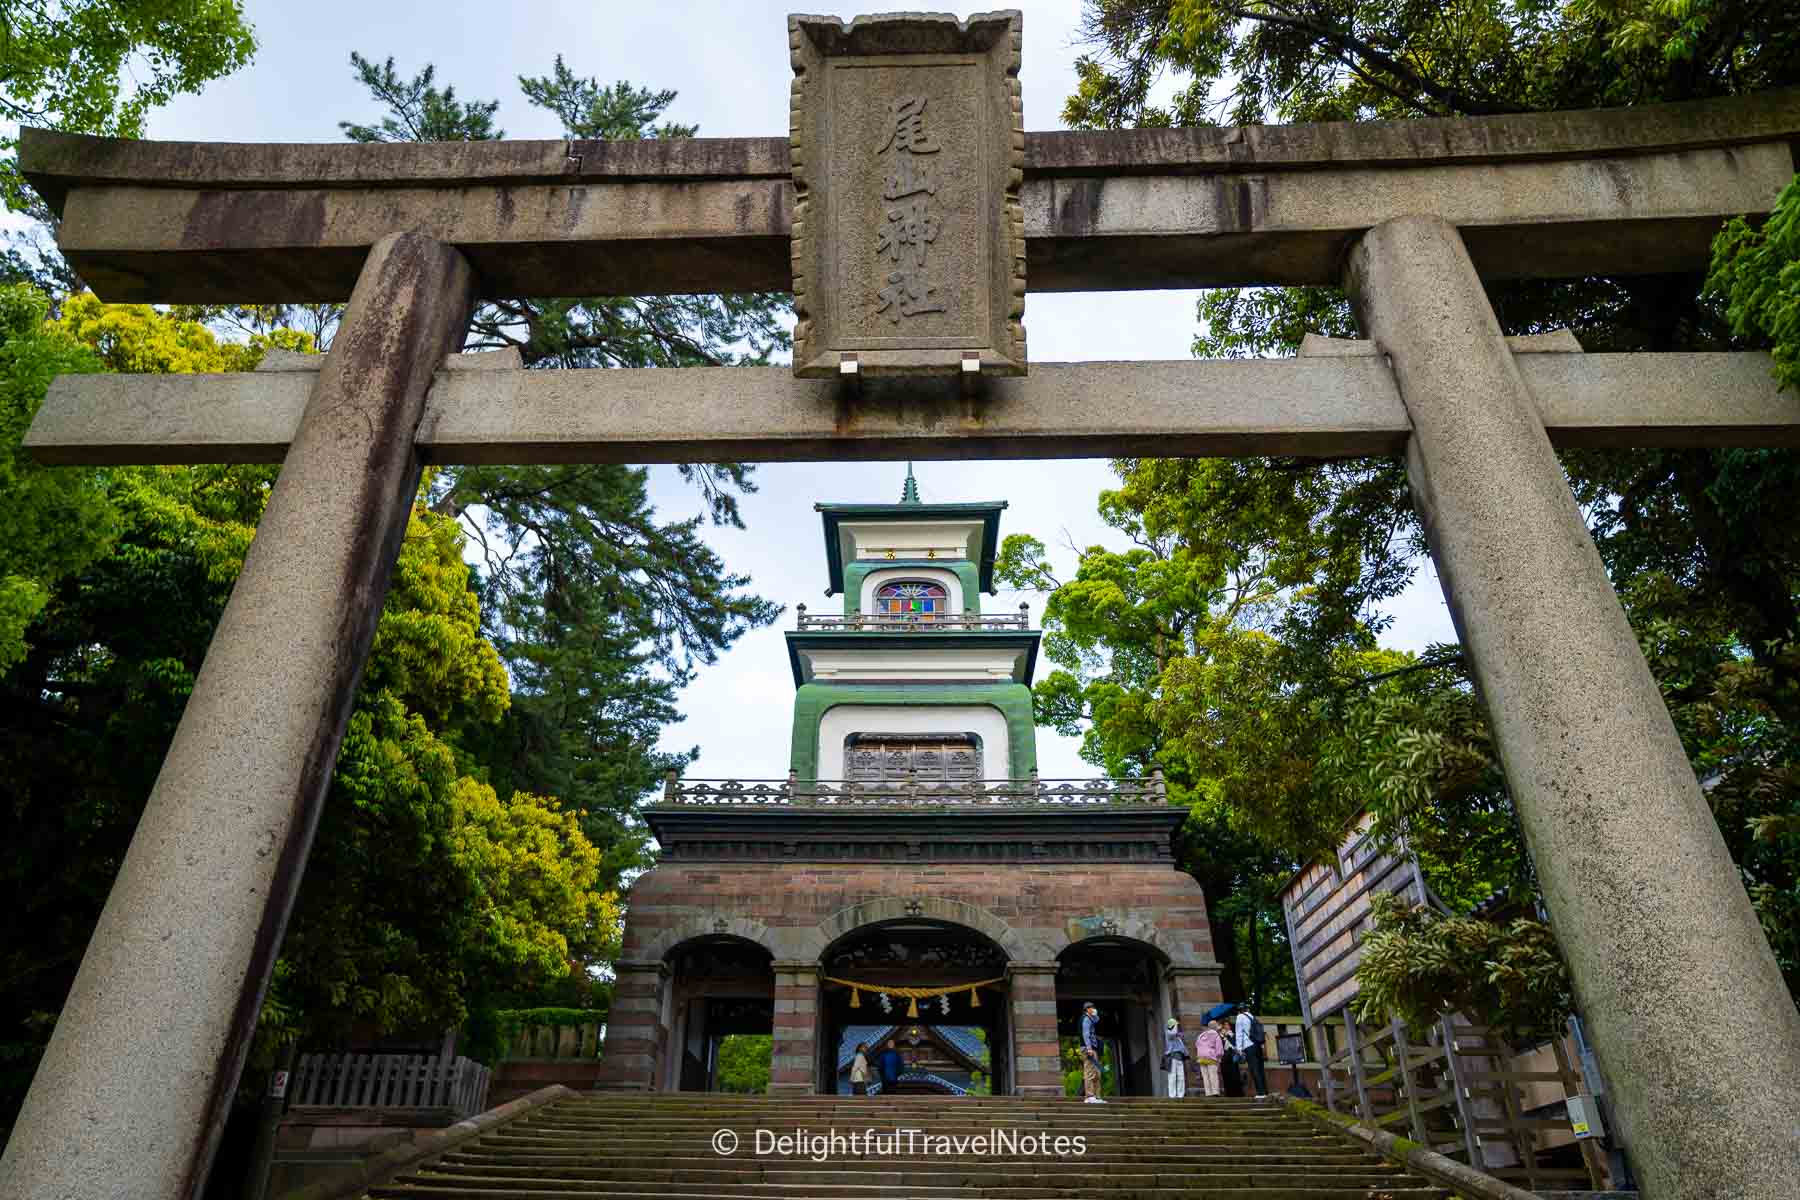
(1615, 191)
(1341, 404)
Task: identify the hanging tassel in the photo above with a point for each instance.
(912, 1007)
(974, 997)
(855, 997)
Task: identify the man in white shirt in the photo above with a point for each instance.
(1251, 1051)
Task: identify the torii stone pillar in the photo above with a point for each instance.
(1669, 963)
(133, 1091)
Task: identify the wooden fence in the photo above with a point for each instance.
(390, 1081)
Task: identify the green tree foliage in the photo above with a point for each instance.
(428, 891)
(1244, 62)
(100, 66)
(601, 610)
(1747, 722)
(1418, 964)
(53, 523)
(742, 1065)
(1756, 269)
(1169, 652)
(417, 109)
(1696, 541)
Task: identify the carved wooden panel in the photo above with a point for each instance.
(875, 758)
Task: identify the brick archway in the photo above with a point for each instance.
(1116, 925)
(927, 908)
(707, 925)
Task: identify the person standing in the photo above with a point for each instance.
(1209, 1052)
(1090, 1053)
(1249, 1047)
(890, 1064)
(859, 1070)
(1175, 1060)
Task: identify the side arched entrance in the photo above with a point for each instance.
(722, 1014)
(1123, 978)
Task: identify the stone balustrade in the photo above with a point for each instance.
(916, 793)
(862, 622)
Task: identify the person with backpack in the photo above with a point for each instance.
(1249, 1041)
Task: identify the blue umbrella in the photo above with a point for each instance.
(1218, 1011)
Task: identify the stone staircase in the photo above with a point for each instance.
(662, 1145)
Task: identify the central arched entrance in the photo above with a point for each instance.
(955, 1042)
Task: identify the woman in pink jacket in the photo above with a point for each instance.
(1209, 1050)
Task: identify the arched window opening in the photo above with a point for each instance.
(912, 599)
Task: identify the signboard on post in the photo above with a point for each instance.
(908, 148)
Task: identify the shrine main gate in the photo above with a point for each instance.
(907, 213)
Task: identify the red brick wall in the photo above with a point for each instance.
(795, 909)
(1041, 901)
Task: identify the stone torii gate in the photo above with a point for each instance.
(1668, 960)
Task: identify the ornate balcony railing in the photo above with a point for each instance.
(972, 793)
(861, 622)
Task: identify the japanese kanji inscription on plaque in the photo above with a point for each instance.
(908, 149)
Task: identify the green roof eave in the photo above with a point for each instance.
(1027, 639)
(989, 511)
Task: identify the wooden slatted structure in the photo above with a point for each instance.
(1461, 1091)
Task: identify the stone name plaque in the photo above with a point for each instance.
(908, 144)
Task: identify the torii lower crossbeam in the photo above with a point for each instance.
(1327, 407)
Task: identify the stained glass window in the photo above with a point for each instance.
(916, 600)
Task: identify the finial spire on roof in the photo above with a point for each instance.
(910, 493)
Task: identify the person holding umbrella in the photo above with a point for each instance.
(1219, 1015)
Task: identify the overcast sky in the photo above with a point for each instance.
(729, 62)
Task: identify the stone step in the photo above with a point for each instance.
(1231, 1133)
(1183, 1110)
(1190, 1109)
(533, 1190)
(857, 1119)
(1123, 1138)
(629, 1147)
(1083, 1113)
(930, 1173)
(1123, 1148)
(693, 1157)
(1003, 1101)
